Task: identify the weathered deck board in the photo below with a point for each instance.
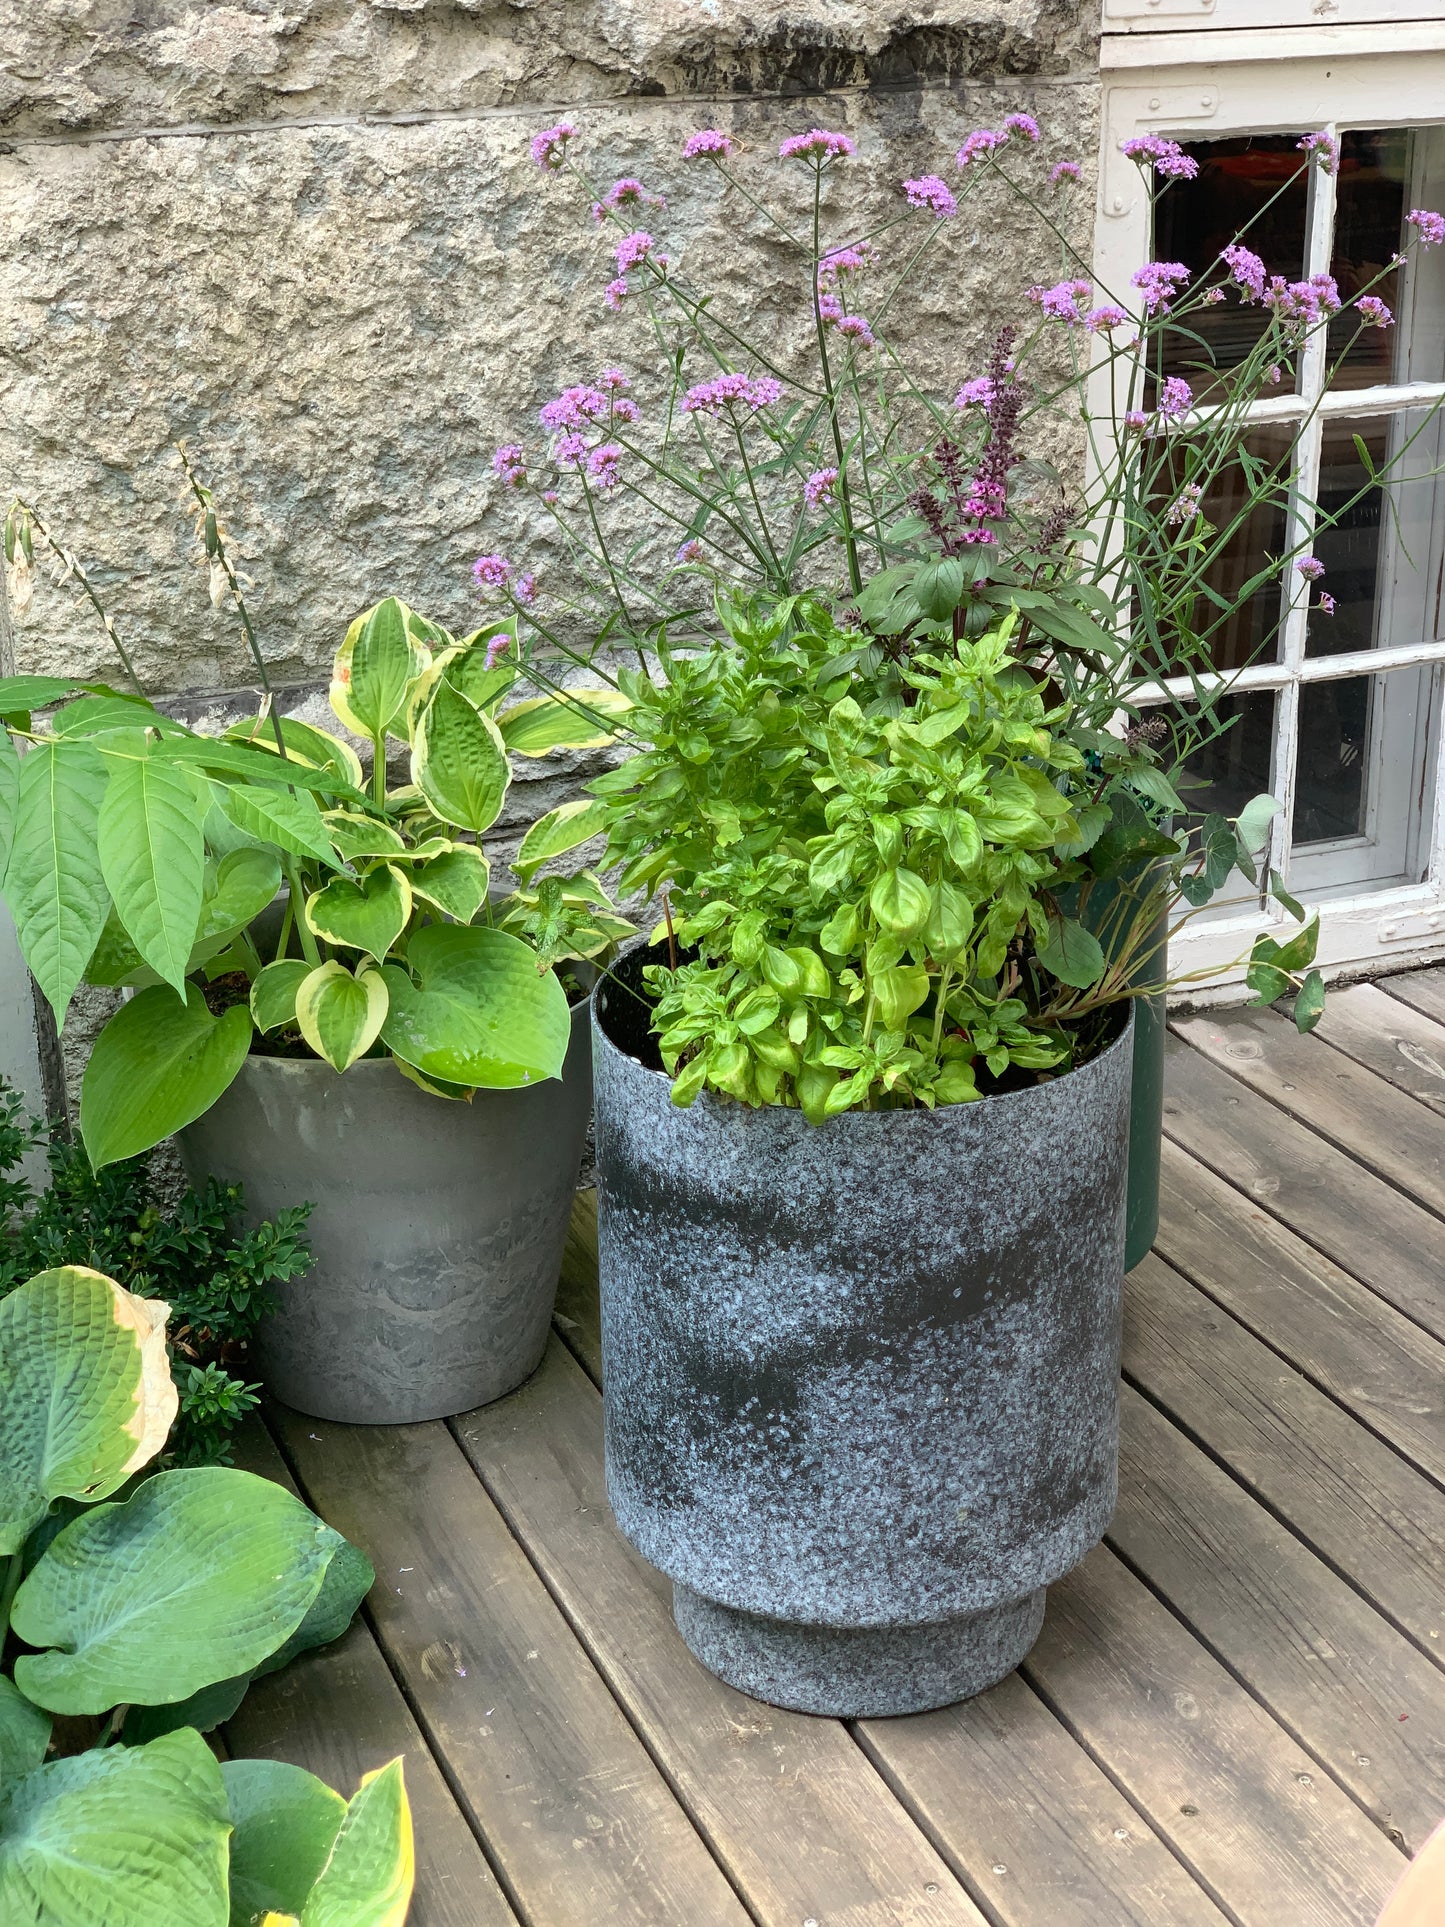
(1210, 1727)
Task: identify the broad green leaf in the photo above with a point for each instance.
(479, 1013)
(368, 1880)
(357, 836)
(1309, 1005)
(1254, 820)
(369, 915)
(85, 1393)
(468, 671)
(223, 758)
(93, 714)
(1151, 781)
(195, 1579)
(899, 990)
(349, 1578)
(156, 1067)
(273, 995)
(316, 746)
(583, 719)
(901, 901)
(289, 820)
(339, 1015)
(37, 692)
(1072, 953)
(24, 1736)
(204, 1710)
(459, 761)
(374, 666)
(9, 793)
(286, 1823)
(455, 881)
(236, 891)
(938, 587)
(53, 881)
(153, 860)
(434, 1086)
(124, 1836)
(559, 831)
(950, 923)
(1281, 895)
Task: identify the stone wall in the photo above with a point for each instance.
(306, 236)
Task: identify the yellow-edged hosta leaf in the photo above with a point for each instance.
(583, 719)
(369, 915)
(559, 831)
(459, 761)
(375, 666)
(472, 1007)
(368, 1880)
(455, 881)
(339, 1015)
(357, 837)
(273, 994)
(317, 747)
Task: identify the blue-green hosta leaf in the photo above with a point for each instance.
(53, 880)
(583, 719)
(369, 915)
(286, 1823)
(375, 666)
(459, 761)
(368, 1879)
(349, 1578)
(479, 1012)
(127, 1836)
(339, 1015)
(24, 1736)
(559, 831)
(85, 1393)
(290, 820)
(205, 1710)
(455, 881)
(153, 860)
(158, 1064)
(198, 1577)
(273, 995)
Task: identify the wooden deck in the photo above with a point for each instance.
(1236, 1711)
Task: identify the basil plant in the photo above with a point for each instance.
(140, 853)
(137, 1606)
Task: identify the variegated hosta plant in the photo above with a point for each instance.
(139, 1605)
(264, 890)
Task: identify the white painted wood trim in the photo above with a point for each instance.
(1201, 46)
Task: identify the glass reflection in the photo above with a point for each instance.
(1373, 179)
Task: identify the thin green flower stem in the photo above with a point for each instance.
(678, 481)
(736, 181)
(845, 504)
(779, 573)
(728, 493)
(607, 560)
(71, 565)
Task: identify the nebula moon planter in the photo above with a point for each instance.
(861, 1379)
(437, 1230)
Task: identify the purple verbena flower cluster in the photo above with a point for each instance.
(1167, 157)
(752, 392)
(1373, 312)
(1185, 505)
(1325, 149)
(1303, 304)
(549, 148)
(933, 195)
(1310, 567)
(1109, 315)
(491, 572)
(1159, 282)
(970, 503)
(1176, 397)
(1062, 171)
(498, 647)
(817, 144)
(691, 551)
(1247, 270)
(708, 144)
(1431, 226)
(1066, 301)
(976, 393)
(604, 465)
(509, 463)
(1024, 124)
(983, 140)
(819, 488)
(624, 193)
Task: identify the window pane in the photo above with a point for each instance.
(1234, 194)
(1369, 219)
(1236, 765)
(1334, 735)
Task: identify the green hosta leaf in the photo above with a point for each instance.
(899, 991)
(204, 1710)
(901, 901)
(153, 860)
(236, 891)
(357, 837)
(128, 1836)
(1072, 953)
(456, 881)
(583, 719)
(368, 1880)
(339, 1015)
(53, 880)
(559, 831)
(374, 667)
(290, 820)
(316, 746)
(195, 1579)
(85, 1393)
(369, 915)
(458, 761)
(349, 1578)
(286, 1823)
(158, 1064)
(273, 995)
(24, 1736)
(479, 1012)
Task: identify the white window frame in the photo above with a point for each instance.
(1191, 99)
(1217, 16)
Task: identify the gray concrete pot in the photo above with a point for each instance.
(437, 1229)
(861, 1380)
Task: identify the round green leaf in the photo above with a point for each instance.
(53, 881)
(273, 995)
(195, 1579)
(459, 761)
(128, 1836)
(156, 1067)
(901, 901)
(582, 719)
(369, 915)
(480, 1012)
(85, 1393)
(153, 860)
(339, 1015)
(286, 1823)
(368, 1880)
(456, 881)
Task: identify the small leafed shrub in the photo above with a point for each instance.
(218, 1282)
(143, 1622)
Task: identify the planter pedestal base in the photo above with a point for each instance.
(865, 1672)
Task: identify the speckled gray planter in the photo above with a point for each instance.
(437, 1229)
(861, 1380)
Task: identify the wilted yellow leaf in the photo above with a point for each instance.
(157, 1400)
